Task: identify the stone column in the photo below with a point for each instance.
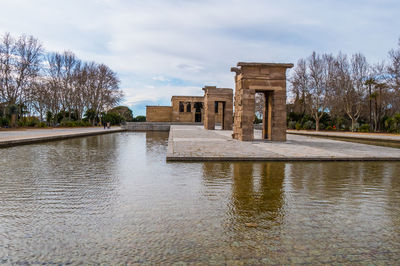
(209, 118)
(244, 112)
(228, 115)
(267, 115)
(193, 111)
(278, 106)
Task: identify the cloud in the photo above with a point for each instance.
(160, 78)
(178, 46)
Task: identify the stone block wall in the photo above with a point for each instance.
(158, 113)
(185, 116)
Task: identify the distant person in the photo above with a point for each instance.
(108, 125)
(104, 124)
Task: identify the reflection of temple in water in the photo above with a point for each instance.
(256, 191)
(213, 171)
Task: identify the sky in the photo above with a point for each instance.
(161, 48)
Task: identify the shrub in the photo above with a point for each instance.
(68, 123)
(4, 122)
(298, 126)
(80, 123)
(292, 124)
(42, 124)
(392, 124)
(308, 125)
(364, 128)
(29, 121)
(329, 128)
(83, 123)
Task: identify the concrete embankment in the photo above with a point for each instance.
(153, 126)
(373, 137)
(28, 136)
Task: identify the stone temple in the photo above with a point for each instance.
(216, 106)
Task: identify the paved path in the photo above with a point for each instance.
(350, 135)
(19, 137)
(194, 143)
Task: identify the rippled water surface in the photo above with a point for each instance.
(113, 199)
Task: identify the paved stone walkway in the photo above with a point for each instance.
(349, 135)
(194, 143)
(26, 136)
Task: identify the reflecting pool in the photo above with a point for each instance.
(113, 199)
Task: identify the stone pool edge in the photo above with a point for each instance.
(276, 159)
(33, 140)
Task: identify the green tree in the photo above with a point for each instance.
(123, 111)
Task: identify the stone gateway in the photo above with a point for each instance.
(218, 107)
(266, 78)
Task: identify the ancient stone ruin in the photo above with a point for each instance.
(187, 109)
(218, 105)
(270, 80)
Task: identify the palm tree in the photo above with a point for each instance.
(370, 82)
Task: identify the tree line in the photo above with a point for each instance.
(54, 86)
(346, 92)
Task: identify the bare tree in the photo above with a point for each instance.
(19, 66)
(299, 86)
(59, 82)
(350, 79)
(318, 86)
(393, 69)
(7, 53)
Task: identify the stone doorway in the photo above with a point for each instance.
(198, 107)
(220, 114)
(197, 117)
(266, 114)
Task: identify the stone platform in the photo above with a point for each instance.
(194, 143)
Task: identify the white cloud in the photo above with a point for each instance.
(160, 78)
(153, 43)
